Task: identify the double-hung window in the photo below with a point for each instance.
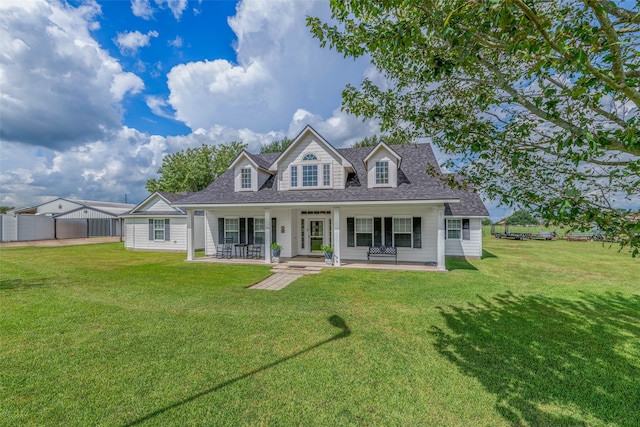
(232, 229)
(364, 231)
(294, 176)
(158, 229)
(382, 173)
(402, 232)
(454, 227)
(245, 178)
(326, 175)
(309, 175)
(258, 229)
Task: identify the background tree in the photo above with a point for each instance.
(4, 209)
(277, 146)
(522, 217)
(536, 101)
(372, 141)
(195, 168)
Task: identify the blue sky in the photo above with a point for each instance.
(95, 93)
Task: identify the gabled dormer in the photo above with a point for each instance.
(382, 165)
(249, 173)
(311, 163)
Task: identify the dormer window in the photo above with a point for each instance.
(309, 175)
(245, 178)
(312, 173)
(309, 157)
(382, 173)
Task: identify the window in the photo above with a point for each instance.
(309, 156)
(453, 228)
(294, 176)
(402, 232)
(310, 175)
(245, 178)
(232, 229)
(382, 173)
(158, 229)
(326, 175)
(258, 229)
(364, 231)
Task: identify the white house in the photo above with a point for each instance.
(313, 194)
(157, 225)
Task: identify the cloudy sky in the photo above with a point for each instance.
(94, 93)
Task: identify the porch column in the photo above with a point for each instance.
(440, 242)
(267, 236)
(211, 232)
(336, 237)
(190, 236)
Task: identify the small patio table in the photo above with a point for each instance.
(243, 249)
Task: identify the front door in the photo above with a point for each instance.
(316, 235)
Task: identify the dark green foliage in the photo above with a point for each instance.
(195, 168)
(4, 209)
(522, 217)
(535, 102)
(277, 146)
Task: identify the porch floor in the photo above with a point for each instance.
(309, 263)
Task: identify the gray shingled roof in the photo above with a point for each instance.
(413, 184)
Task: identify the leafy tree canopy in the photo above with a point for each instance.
(194, 169)
(536, 101)
(372, 141)
(277, 146)
(522, 217)
(5, 209)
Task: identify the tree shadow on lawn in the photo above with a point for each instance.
(551, 361)
(335, 320)
(20, 284)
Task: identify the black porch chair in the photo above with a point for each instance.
(255, 250)
(224, 249)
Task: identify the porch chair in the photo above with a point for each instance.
(255, 250)
(223, 250)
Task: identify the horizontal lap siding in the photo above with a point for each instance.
(467, 248)
(309, 145)
(159, 206)
(138, 230)
(429, 221)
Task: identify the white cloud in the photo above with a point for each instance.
(176, 6)
(279, 69)
(142, 9)
(130, 42)
(59, 88)
(177, 42)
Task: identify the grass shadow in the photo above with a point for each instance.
(551, 361)
(20, 284)
(458, 264)
(334, 320)
(487, 254)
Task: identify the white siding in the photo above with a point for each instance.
(237, 171)
(137, 234)
(471, 248)
(157, 204)
(382, 155)
(429, 215)
(90, 213)
(310, 145)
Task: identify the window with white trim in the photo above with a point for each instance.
(232, 229)
(309, 175)
(245, 178)
(402, 232)
(382, 173)
(158, 229)
(294, 176)
(326, 175)
(309, 156)
(364, 231)
(258, 229)
(454, 227)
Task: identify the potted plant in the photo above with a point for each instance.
(328, 254)
(275, 251)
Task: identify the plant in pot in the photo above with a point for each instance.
(328, 254)
(275, 251)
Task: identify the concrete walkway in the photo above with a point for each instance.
(284, 275)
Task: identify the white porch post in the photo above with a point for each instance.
(440, 244)
(336, 237)
(190, 235)
(267, 236)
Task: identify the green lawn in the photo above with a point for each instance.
(537, 333)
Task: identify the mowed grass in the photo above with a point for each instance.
(537, 333)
